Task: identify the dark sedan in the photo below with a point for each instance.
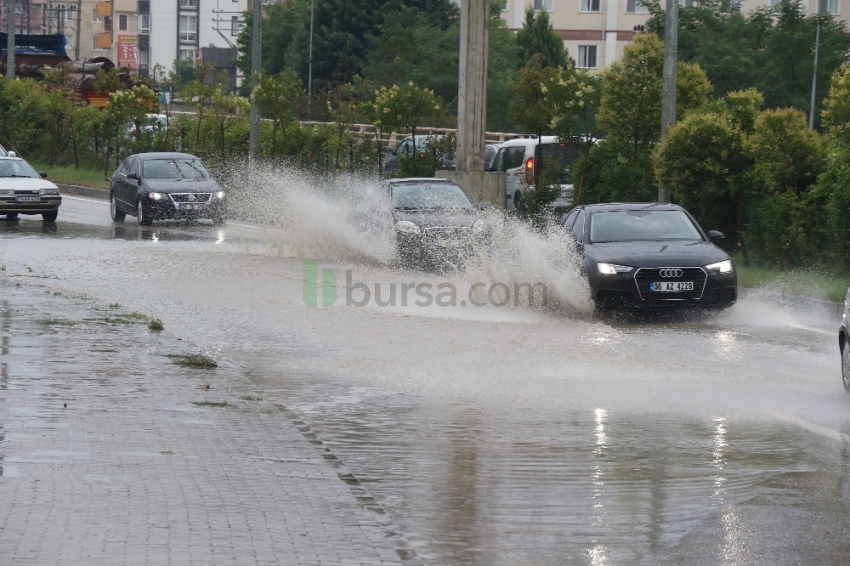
(434, 221)
(650, 255)
(163, 186)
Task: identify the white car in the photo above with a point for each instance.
(25, 191)
(519, 158)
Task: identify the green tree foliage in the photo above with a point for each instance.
(787, 157)
(538, 38)
(630, 113)
(772, 53)
(279, 99)
(404, 109)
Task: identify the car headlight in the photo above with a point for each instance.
(156, 196)
(720, 267)
(48, 191)
(479, 226)
(219, 194)
(407, 227)
(7, 192)
(612, 268)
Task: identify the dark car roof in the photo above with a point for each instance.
(610, 206)
(165, 155)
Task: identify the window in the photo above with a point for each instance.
(687, 3)
(504, 5)
(144, 58)
(543, 5)
(94, 17)
(188, 28)
(589, 5)
(144, 23)
(189, 4)
(107, 23)
(234, 25)
(122, 22)
(828, 6)
(186, 54)
(635, 7)
(774, 5)
(586, 56)
(69, 15)
(578, 228)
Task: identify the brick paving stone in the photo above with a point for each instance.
(132, 472)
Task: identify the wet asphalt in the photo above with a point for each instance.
(505, 435)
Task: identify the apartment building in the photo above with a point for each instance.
(596, 31)
(204, 30)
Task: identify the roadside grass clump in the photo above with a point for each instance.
(2, 268)
(55, 322)
(155, 324)
(114, 305)
(249, 398)
(166, 452)
(193, 361)
(104, 351)
(210, 403)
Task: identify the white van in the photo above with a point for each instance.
(519, 158)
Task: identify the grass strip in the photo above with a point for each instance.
(193, 361)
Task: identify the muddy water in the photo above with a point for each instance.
(506, 435)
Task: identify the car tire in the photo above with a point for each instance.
(117, 215)
(50, 216)
(845, 364)
(11, 216)
(142, 215)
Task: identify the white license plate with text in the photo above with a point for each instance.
(671, 286)
(27, 199)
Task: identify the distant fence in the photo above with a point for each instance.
(369, 131)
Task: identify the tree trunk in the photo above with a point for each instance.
(741, 244)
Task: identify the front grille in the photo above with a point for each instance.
(447, 232)
(190, 197)
(645, 276)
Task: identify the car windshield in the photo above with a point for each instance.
(175, 169)
(17, 168)
(641, 225)
(429, 195)
(3, 152)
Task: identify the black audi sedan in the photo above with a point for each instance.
(163, 186)
(434, 221)
(650, 255)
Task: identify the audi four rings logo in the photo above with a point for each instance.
(670, 272)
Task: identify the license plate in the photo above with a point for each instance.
(191, 206)
(671, 286)
(27, 199)
(446, 243)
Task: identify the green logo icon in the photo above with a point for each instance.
(309, 276)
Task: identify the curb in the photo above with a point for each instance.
(783, 299)
(84, 191)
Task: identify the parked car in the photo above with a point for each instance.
(25, 191)
(162, 186)
(490, 151)
(843, 346)
(405, 147)
(650, 255)
(433, 221)
(520, 158)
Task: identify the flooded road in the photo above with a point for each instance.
(502, 435)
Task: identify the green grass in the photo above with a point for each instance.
(815, 284)
(155, 324)
(249, 398)
(209, 404)
(193, 361)
(56, 322)
(66, 174)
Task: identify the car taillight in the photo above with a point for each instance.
(529, 171)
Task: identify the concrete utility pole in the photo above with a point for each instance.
(472, 88)
(256, 67)
(814, 76)
(668, 90)
(10, 44)
(310, 58)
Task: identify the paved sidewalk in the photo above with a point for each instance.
(106, 459)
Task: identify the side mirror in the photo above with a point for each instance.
(715, 236)
(134, 176)
(43, 174)
(13, 154)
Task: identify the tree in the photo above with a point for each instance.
(574, 96)
(787, 157)
(538, 38)
(279, 99)
(630, 107)
(405, 109)
(198, 93)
